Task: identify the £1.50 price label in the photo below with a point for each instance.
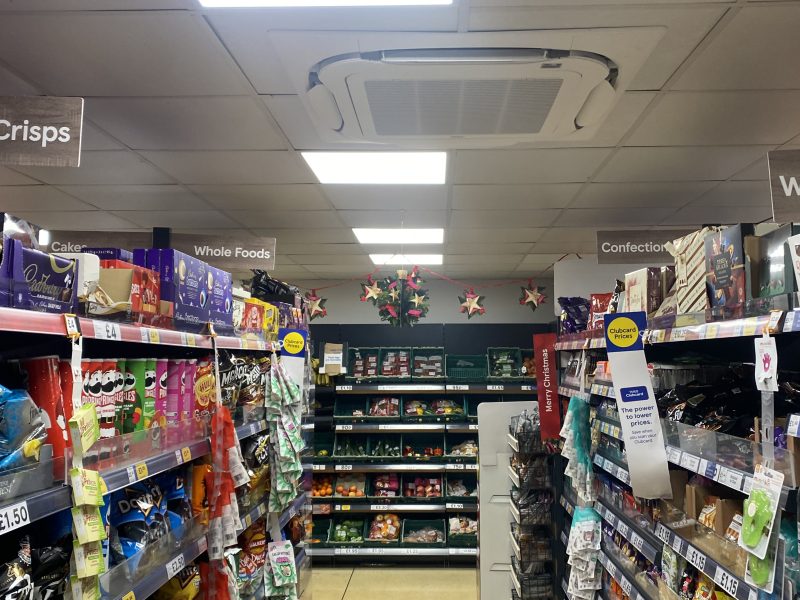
(14, 516)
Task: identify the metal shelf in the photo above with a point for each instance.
(366, 551)
(619, 575)
(730, 583)
(373, 505)
(612, 468)
(36, 506)
(643, 540)
(438, 388)
(424, 467)
(390, 428)
(607, 427)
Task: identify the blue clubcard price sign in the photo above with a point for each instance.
(636, 404)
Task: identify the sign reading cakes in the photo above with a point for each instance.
(784, 181)
(40, 131)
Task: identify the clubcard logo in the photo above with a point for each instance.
(623, 332)
(634, 394)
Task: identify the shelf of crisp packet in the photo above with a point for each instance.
(607, 427)
(259, 510)
(424, 466)
(406, 427)
(619, 575)
(748, 326)
(26, 509)
(438, 388)
(641, 538)
(392, 551)
(612, 468)
(466, 505)
(567, 595)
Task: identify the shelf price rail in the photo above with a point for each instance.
(369, 551)
(612, 468)
(619, 575)
(643, 540)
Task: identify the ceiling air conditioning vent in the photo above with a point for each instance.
(464, 90)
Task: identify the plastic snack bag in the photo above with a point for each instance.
(281, 557)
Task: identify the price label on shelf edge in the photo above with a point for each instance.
(14, 516)
(107, 331)
(344, 428)
(454, 506)
(623, 529)
(690, 462)
(726, 581)
(674, 455)
(175, 566)
(626, 586)
(637, 541)
(695, 557)
(676, 544)
(343, 468)
(662, 533)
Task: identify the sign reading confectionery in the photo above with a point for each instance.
(636, 404)
(628, 247)
(784, 181)
(40, 131)
(547, 384)
(222, 252)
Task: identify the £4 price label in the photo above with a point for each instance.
(14, 516)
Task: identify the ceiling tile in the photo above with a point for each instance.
(297, 248)
(37, 198)
(565, 247)
(613, 217)
(492, 197)
(710, 163)
(345, 270)
(263, 219)
(78, 220)
(64, 5)
(191, 219)
(233, 167)
(758, 171)
(527, 166)
(538, 259)
(360, 260)
(709, 118)
(464, 219)
(559, 234)
(292, 235)
(686, 26)
(497, 248)
(110, 167)
(137, 197)
(739, 193)
(631, 195)
(264, 197)
(93, 138)
(133, 53)
(221, 123)
(12, 85)
(508, 260)
(10, 177)
(493, 236)
(747, 53)
(700, 213)
(393, 218)
(387, 197)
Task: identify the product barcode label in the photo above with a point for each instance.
(183, 338)
(622, 475)
(626, 586)
(175, 566)
(677, 335)
(344, 428)
(472, 467)
(695, 557)
(378, 507)
(676, 544)
(598, 460)
(14, 516)
(609, 466)
(726, 581)
(107, 331)
(455, 467)
(131, 474)
(690, 462)
(343, 468)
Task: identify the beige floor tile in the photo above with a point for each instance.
(416, 584)
(328, 584)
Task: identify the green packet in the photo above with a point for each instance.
(88, 524)
(88, 559)
(85, 589)
(87, 487)
(281, 558)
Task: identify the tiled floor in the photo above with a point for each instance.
(393, 584)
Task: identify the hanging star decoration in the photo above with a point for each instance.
(316, 305)
(532, 295)
(400, 299)
(471, 303)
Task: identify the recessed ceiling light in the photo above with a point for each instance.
(399, 236)
(406, 259)
(299, 3)
(378, 167)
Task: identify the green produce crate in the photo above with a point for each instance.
(323, 441)
(505, 364)
(410, 481)
(425, 353)
(346, 408)
(384, 353)
(348, 445)
(382, 447)
(419, 441)
(462, 540)
(320, 531)
(411, 525)
(454, 439)
(371, 490)
(381, 418)
(470, 481)
(382, 542)
(359, 525)
(427, 412)
(355, 353)
(466, 368)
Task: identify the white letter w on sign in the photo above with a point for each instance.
(790, 187)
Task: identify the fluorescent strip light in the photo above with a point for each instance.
(378, 167)
(399, 236)
(300, 3)
(406, 259)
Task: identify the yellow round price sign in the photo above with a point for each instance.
(623, 332)
(293, 343)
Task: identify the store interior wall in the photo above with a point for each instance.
(502, 303)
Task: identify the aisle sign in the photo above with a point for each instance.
(784, 182)
(546, 385)
(638, 413)
(629, 247)
(40, 131)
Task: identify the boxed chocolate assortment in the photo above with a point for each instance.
(646, 289)
(219, 286)
(690, 271)
(125, 291)
(770, 263)
(725, 266)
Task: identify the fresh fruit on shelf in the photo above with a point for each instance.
(322, 486)
(384, 528)
(446, 407)
(467, 448)
(351, 486)
(350, 532)
(423, 487)
(323, 453)
(426, 452)
(386, 485)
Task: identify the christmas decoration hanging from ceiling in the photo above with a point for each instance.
(400, 299)
(532, 295)
(316, 305)
(471, 303)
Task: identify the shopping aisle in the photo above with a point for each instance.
(394, 584)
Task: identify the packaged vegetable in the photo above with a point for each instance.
(384, 528)
(462, 526)
(424, 535)
(348, 532)
(384, 407)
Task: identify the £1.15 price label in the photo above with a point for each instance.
(695, 557)
(726, 581)
(14, 516)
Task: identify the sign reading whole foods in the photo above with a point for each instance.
(784, 181)
(40, 131)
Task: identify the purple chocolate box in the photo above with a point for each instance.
(219, 285)
(183, 283)
(111, 253)
(37, 280)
